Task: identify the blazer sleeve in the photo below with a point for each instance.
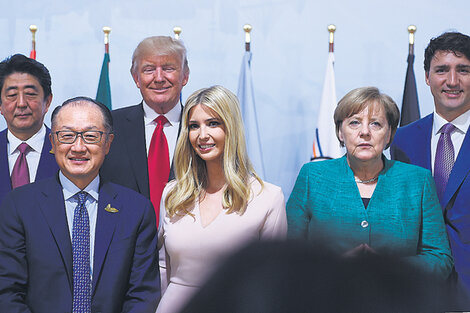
(13, 263)
(298, 215)
(275, 226)
(143, 292)
(434, 253)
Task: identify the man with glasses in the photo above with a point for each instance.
(76, 243)
(25, 97)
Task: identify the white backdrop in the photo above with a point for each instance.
(289, 45)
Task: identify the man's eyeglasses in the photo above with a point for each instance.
(89, 136)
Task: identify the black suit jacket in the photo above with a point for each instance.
(126, 162)
(47, 165)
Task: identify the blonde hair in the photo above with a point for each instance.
(190, 169)
(160, 45)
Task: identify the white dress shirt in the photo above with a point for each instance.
(170, 129)
(69, 189)
(32, 157)
(461, 124)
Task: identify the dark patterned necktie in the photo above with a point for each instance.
(444, 160)
(20, 172)
(81, 257)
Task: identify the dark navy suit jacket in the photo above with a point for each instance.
(36, 251)
(412, 144)
(47, 165)
(126, 162)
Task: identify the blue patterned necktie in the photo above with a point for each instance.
(444, 160)
(81, 257)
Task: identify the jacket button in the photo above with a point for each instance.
(364, 224)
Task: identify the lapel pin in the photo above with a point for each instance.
(111, 209)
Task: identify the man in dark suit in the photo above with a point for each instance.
(25, 97)
(73, 242)
(441, 142)
(160, 70)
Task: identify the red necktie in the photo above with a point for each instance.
(20, 172)
(158, 164)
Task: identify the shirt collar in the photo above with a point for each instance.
(461, 123)
(35, 142)
(173, 116)
(69, 189)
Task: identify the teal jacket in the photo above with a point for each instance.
(403, 217)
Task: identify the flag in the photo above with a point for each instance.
(410, 106)
(325, 144)
(103, 94)
(250, 119)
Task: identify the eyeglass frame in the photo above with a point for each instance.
(77, 134)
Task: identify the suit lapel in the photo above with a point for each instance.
(5, 181)
(347, 185)
(136, 146)
(422, 144)
(105, 225)
(52, 205)
(459, 171)
(47, 164)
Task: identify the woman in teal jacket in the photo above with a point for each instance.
(365, 203)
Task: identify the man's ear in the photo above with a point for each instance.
(109, 140)
(51, 138)
(136, 79)
(48, 103)
(186, 78)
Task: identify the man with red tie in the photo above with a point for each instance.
(25, 97)
(145, 134)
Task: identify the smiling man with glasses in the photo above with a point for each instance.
(78, 144)
(74, 242)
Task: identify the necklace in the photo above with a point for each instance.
(367, 181)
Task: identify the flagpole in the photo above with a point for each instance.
(33, 29)
(410, 106)
(411, 31)
(331, 30)
(248, 108)
(106, 31)
(177, 30)
(247, 28)
(325, 143)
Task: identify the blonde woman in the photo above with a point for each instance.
(217, 202)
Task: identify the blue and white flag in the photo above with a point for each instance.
(247, 103)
